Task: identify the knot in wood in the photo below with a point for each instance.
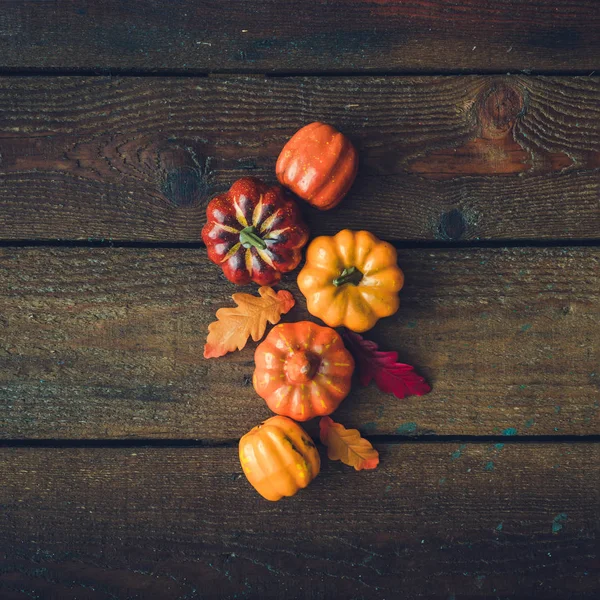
(499, 108)
(452, 225)
(184, 186)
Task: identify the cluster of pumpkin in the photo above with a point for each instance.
(303, 370)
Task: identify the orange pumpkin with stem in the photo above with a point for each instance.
(278, 458)
(303, 370)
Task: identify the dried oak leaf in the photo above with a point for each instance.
(234, 325)
(347, 445)
(390, 376)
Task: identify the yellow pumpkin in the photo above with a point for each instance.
(278, 458)
(351, 279)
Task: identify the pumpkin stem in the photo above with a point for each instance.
(301, 367)
(350, 275)
(249, 237)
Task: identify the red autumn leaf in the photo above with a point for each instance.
(347, 445)
(390, 376)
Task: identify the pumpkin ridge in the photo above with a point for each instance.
(325, 178)
(337, 172)
(304, 453)
(299, 453)
(273, 438)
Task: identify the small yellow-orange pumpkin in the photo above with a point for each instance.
(279, 458)
(303, 370)
(319, 164)
(351, 279)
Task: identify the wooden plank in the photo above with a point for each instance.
(434, 520)
(107, 343)
(301, 35)
(450, 158)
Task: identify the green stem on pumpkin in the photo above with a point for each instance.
(350, 275)
(249, 237)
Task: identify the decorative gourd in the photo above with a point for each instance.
(319, 164)
(278, 458)
(351, 279)
(303, 370)
(254, 232)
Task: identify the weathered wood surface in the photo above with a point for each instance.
(434, 521)
(447, 158)
(301, 35)
(107, 343)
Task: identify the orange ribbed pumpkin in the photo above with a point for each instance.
(278, 458)
(319, 164)
(303, 370)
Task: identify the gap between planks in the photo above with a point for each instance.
(231, 443)
(400, 245)
(8, 72)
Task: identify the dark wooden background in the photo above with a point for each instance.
(478, 126)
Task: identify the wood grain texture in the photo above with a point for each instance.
(446, 158)
(107, 343)
(434, 520)
(301, 35)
